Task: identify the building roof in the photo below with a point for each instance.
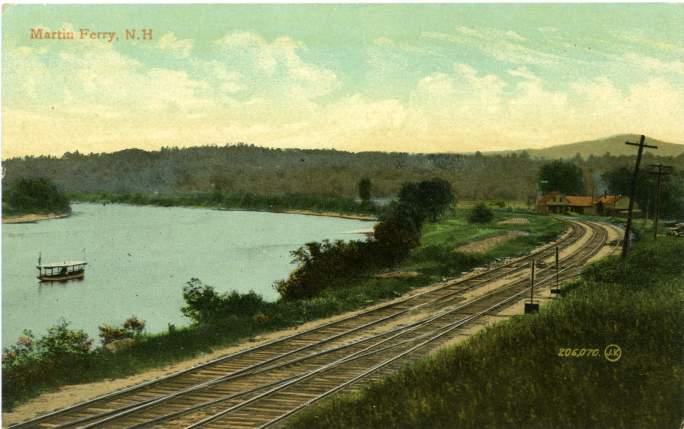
(609, 199)
(579, 201)
(547, 197)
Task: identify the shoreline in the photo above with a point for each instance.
(330, 214)
(304, 212)
(33, 217)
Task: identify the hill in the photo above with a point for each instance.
(615, 145)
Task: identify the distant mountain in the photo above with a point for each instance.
(615, 145)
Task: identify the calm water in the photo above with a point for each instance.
(139, 259)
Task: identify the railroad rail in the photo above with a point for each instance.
(267, 383)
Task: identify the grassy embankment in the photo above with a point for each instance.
(237, 201)
(434, 258)
(512, 374)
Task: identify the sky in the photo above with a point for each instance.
(389, 77)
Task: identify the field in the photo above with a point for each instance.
(436, 256)
(530, 371)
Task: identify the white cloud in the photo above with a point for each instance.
(179, 48)
(245, 45)
(277, 66)
(229, 81)
(468, 106)
(506, 46)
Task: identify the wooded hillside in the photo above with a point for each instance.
(247, 168)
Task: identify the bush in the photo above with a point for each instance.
(324, 264)
(204, 305)
(134, 325)
(398, 233)
(481, 214)
(109, 333)
(38, 195)
(62, 344)
(131, 328)
(60, 354)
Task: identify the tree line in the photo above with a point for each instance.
(247, 169)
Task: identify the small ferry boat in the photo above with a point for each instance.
(61, 271)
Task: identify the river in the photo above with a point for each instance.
(139, 259)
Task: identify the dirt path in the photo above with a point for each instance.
(515, 221)
(482, 246)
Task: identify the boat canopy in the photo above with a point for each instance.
(62, 264)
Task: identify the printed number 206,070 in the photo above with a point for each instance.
(568, 352)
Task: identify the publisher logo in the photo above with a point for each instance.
(612, 353)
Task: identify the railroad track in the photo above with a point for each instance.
(267, 383)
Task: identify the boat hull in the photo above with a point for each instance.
(61, 278)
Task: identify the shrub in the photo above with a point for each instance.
(64, 344)
(60, 354)
(134, 325)
(131, 328)
(21, 352)
(481, 214)
(109, 333)
(204, 305)
(261, 318)
(202, 302)
(397, 233)
(324, 264)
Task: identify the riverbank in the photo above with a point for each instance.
(339, 215)
(557, 369)
(314, 205)
(332, 214)
(33, 217)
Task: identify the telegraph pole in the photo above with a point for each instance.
(632, 192)
(659, 170)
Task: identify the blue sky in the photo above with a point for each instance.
(421, 78)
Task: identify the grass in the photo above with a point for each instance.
(511, 374)
(436, 255)
(433, 259)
